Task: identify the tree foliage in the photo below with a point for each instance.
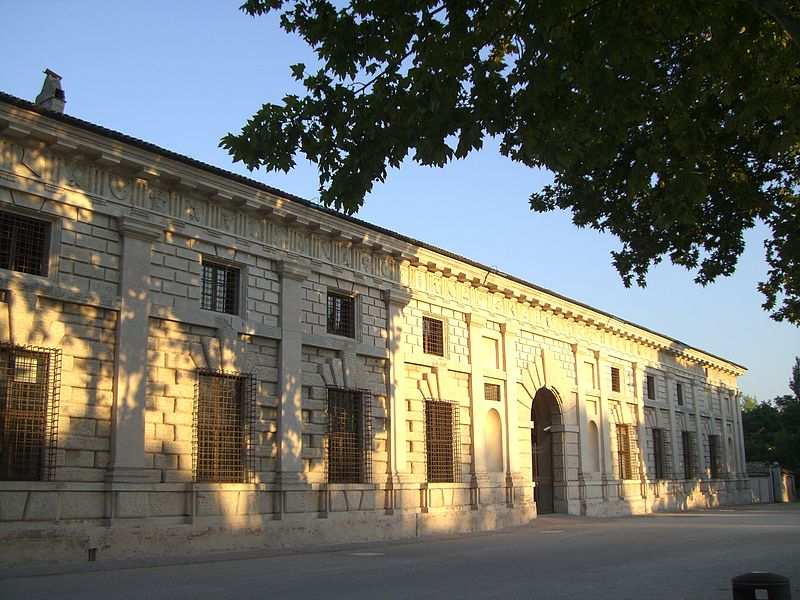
(673, 125)
(772, 429)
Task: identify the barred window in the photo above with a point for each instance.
(689, 463)
(627, 452)
(714, 456)
(679, 393)
(349, 456)
(24, 244)
(341, 314)
(432, 336)
(651, 387)
(224, 427)
(660, 454)
(29, 396)
(220, 288)
(442, 441)
(491, 392)
(615, 381)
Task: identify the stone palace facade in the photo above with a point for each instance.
(192, 361)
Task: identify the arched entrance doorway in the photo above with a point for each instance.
(547, 452)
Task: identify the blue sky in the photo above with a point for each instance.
(182, 74)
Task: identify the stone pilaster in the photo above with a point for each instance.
(739, 437)
(291, 375)
(642, 425)
(476, 325)
(510, 333)
(396, 300)
(606, 466)
(699, 445)
(127, 462)
(673, 427)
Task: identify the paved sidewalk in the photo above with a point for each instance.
(669, 556)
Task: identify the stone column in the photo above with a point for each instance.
(291, 375)
(396, 300)
(673, 429)
(510, 332)
(476, 325)
(700, 449)
(127, 462)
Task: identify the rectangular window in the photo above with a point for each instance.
(29, 394)
(220, 288)
(224, 427)
(626, 449)
(24, 244)
(432, 336)
(679, 393)
(615, 380)
(651, 387)
(491, 392)
(689, 463)
(341, 315)
(441, 441)
(714, 456)
(659, 453)
(349, 436)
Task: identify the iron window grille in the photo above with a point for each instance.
(627, 452)
(615, 380)
(224, 427)
(341, 315)
(442, 441)
(348, 452)
(689, 456)
(651, 387)
(30, 383)
(432, 336)
(660, 454)
(491, 392)
(679, 393)
(24, 244)
(714, 456)
(220, 288)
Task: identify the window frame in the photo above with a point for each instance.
(437, 470)
(650, 386)
(618, 371)
(626, 453)
(659, 439)
(51, 245)
(715, 455)
(679, 398)
(360, 471)
(425, 346)
(354, 321)
(689, 452)
(239, 288)
(246, 384)
(47, 415)
(491, 384)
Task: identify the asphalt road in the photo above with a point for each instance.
(670, 556)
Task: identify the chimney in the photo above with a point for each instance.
(52, 96)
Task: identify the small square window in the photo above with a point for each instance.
(491, 392)
(615, 380)
(432, 336)
(341, 315)
(220, 288)
(651, 387)
(24, 244)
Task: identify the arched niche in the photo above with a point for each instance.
(494, 442)
(593, 457)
